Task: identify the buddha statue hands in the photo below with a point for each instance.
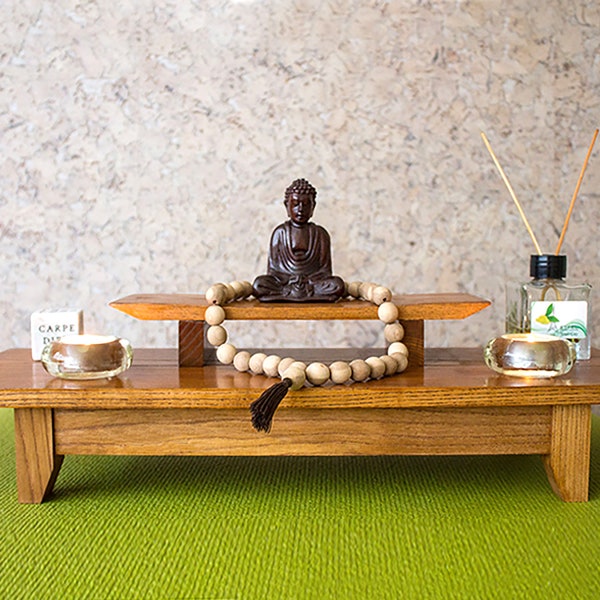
(299, 266)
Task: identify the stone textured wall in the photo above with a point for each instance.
(146, 146)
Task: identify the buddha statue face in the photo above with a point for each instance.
(300, 201)
(300, 207)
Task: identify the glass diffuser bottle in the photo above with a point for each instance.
(550, 305)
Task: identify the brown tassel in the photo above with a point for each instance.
(264, 407)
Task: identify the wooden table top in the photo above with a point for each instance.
(450, 377)
(182, 307)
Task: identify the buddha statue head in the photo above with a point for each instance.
(300, 200)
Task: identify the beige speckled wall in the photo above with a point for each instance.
(146, 146)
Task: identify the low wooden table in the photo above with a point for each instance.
(447, 402)
(452, 405)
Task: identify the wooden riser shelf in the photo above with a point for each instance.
(189, 309)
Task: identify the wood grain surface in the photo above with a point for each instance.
(305, 432)
(452, 405)
(190, 307)
(452, 377)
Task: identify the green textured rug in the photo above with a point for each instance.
(430, 527)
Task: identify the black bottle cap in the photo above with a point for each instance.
(548, 266)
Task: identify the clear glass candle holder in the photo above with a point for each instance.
(87, 356)
(530, 355)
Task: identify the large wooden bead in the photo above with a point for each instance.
(241, 360)
(238, 289)
(216, 335)
(360, 370)
(402, 361)
(226, 353)
(377, 367)
(285, 364)
(391, 366)
(247, 288)
(387, 312)
(393, 332)
(270, 365)
(381, 294)
(340, 371)
(297, 375)
(216, 294)
(365, 290)
(256, 363)
(353, 289)
(214, 314)
(299, 364)
(397, 347)
(317, 373)
(229, 291)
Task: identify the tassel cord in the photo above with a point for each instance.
(263, 409)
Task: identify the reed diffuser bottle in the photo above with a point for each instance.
(550, 305)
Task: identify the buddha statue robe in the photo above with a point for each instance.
(299, 266)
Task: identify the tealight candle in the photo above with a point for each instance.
(87, 356)
(530, 355)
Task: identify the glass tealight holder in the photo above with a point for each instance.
(87, 356)
(530, 355)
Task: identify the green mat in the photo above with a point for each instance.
(366, 527)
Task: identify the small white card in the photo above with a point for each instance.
(50, 325)
(560, 318)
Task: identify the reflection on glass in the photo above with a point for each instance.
(530, 355)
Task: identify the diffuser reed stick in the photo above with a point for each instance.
(585, 162)
(512, 193)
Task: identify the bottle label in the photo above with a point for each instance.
(561, 318)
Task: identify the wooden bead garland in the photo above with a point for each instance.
(316, 374)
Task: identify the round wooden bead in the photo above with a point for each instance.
(255, 363)
(216, 294)
(393, 332)
(377, 367)
(270, 365)
(402, 361)
(381, 294)
(229, 291)
(360, 370)
(366, 290)
(284, 364)
(353, 289)
(340, 371)
(238, 289)
(297, 375)
(299, 364)
(397, 347)
(214, 314)
(317, 373)
(241, 360)
(216, 335)
(391, 366)
(387, 312)
(226, 353)
(247, 289)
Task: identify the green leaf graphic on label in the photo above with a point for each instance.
(549, 317)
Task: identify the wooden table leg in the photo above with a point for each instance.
(568, 464)
(37, 463)
(191, 343)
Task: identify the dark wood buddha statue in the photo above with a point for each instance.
(299, 266)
